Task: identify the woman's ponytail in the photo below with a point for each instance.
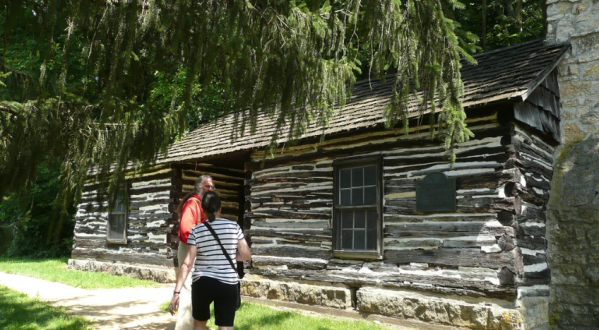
(210, 204)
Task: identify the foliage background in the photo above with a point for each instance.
(35, 222)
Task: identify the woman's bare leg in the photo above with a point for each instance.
(199, 325)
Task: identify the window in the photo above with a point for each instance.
(116, 231)
(357, 218)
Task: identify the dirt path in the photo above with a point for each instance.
(109, 308)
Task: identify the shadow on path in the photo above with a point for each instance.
(109, 309)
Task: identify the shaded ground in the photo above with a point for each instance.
(108, 308)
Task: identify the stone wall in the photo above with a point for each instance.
(573, 232)
(573, 211)
(577, 22)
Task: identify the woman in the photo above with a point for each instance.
(214, 280)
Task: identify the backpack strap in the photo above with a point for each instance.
(221, 247)
(198, 203)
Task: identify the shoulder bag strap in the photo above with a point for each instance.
(221, 247)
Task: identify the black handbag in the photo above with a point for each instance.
(230, 262)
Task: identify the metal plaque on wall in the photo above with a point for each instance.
(435, 193)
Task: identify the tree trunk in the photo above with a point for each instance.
(483, 31)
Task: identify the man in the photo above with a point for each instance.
(191, 214)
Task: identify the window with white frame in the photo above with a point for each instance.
(357, 218)
(116, 231)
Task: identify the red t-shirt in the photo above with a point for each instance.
(189, 216)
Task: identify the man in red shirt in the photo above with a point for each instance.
(190, 214)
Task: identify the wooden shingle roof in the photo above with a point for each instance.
(506, 74)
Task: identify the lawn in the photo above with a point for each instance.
(18, 311)
(254, 316)
(56, 270)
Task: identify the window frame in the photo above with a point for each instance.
(352, 162)
(124, 191)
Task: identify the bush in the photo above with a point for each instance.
(33, 223)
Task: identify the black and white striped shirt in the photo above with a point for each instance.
(210, 260)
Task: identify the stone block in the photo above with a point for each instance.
(575, 88)
(318, 295)
(576, 294)
(591, 71)
(592, 275)
(565, 28)
(571, 275)
(573, 133)
(475, 317)
(581, 7)
(373, 302)
(589, 42)
(535, 311)
(558, 8)
(437, 310)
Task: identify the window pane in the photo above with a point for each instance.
(372, 218)
(370, 176)
(371, 239)
(346, 197)
(357, 197)
(360, 217)
(357, 177)
(116, 226)
(347, 220)
(347, 239)
(370, 195)
(345, 178)
(359, 240)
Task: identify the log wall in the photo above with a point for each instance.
(152, 225)
(147, 226)
(533, 158)
(229, 184)
(489, 248)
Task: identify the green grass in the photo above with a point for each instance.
(18, 311)
(56, 270)
(255, 316)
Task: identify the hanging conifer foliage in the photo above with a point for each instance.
(89, 94)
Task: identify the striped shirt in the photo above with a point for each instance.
(210, 260)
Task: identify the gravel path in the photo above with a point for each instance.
(108, 308)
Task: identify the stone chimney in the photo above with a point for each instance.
(573, 209)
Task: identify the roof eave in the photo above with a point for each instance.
(525, 93)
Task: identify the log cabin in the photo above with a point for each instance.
(356, 216)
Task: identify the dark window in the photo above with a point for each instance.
(357, 214)
(116, 231)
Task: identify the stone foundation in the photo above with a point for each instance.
(398, 304)
(152, 273)
(438, 310)
(328, 296)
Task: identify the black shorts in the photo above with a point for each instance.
(206, 290)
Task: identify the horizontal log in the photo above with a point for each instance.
(532, 243)
(290, 251)
(294, 235)
(202, 168)
(291, 225)
(89, 243)
(467, 204)
(280, 214)
(290, 263)
(114, 256)
(451, 257)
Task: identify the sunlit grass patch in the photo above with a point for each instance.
(18, 311)
(56, 270)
